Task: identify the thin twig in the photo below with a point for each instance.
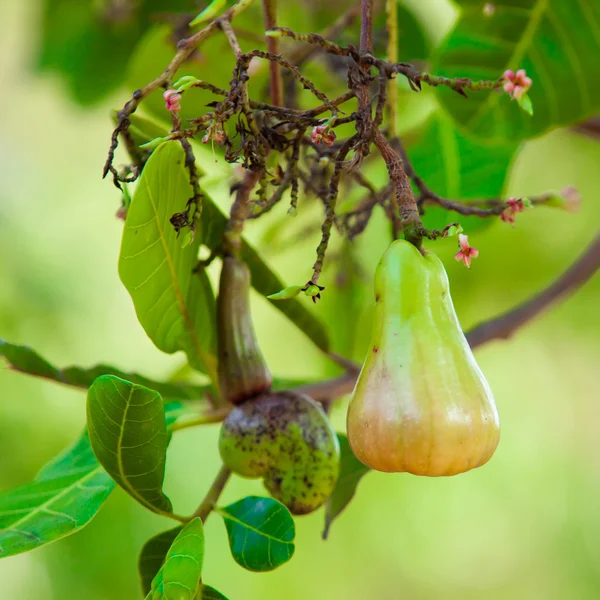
(185, 49)
(275, 80)
(232, 238)
(301, 55)
(212, 496)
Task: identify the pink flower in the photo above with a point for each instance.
(216, 133)
(121, 213)
(172, 98)
(322, 133)
(466, 252)
(516, 84)
(489, 9)
(572, 198)
(514, 206)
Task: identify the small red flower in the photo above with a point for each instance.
(322, 133)
(172, 98)
(466, 252)
(514, 206)
(121, 213)
(516, 84)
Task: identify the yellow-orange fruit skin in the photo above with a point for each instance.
(421, 404)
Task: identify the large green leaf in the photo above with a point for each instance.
(26, 360)
(179, 576)
(64, 497)
(128, 434)
(459, 168)
(351, 472)
(174, 306)
(556, 41)
(261, 532)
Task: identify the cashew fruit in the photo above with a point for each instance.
(286, 439)
(421, 404)
(243, 372)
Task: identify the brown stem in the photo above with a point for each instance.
(275, 80)
(231, 37)
(366, 25)
(232, 238)
(574, 277)
(212, 496)
(301, 55)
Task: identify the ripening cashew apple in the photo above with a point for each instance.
(421, 404)
(285, 438)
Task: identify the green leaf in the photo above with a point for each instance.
(209, 13)
(179, 576)
(261, 532)
(264, 281)
(289, 292)
(64, 497)
(128, 434)
(175, 307)
(351, 472)
(209, 593)
(26, 360)
(152, 556)
(85, 47)
(556, 42)
(525, 104)
(457, 167)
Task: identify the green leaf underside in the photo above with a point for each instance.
(170, 301)
(261, 532)
(459, 168)
(351, 472)
(179, 576)
(128, 434)
(556, 42)
(264, 280)
(64, 497)
(26, 360)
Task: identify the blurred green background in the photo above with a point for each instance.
(526, 526)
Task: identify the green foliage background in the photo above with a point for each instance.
(526, 526)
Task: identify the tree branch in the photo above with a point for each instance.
(212, 496)
(573, 278)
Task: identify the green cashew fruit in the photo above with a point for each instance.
(286, 439)
(421, 404)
